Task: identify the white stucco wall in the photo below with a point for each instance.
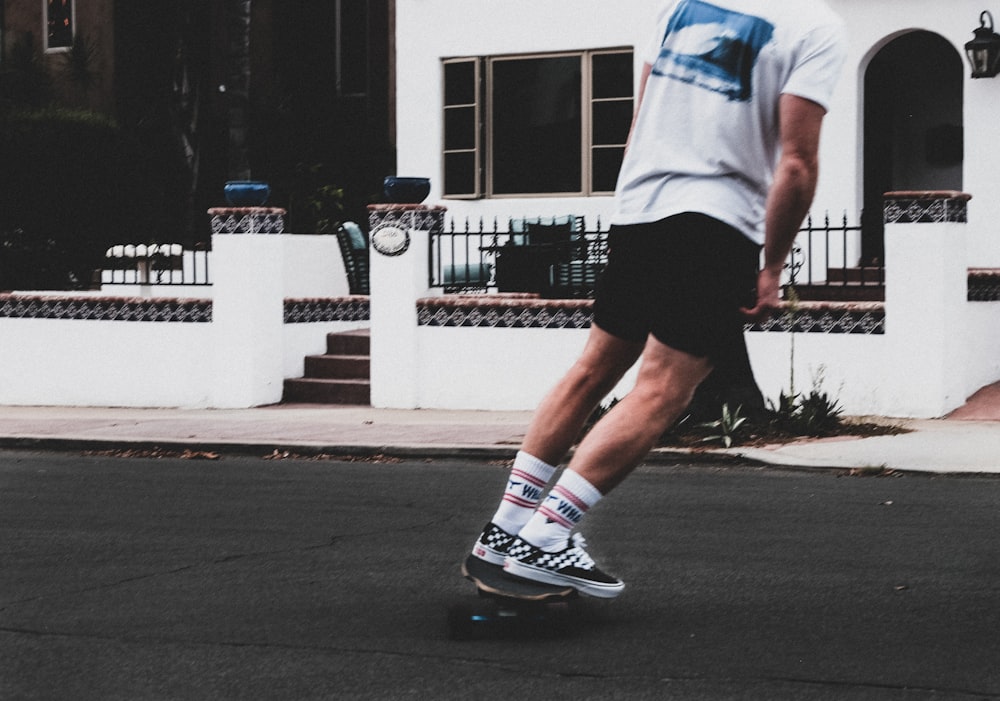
(105, 363)
(238, 359)
(76, 362)
(495, 368)
(512, 369)
(313, 266)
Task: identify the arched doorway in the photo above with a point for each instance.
(912, 128)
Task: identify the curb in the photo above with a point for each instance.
(719, 458)
(658, 456)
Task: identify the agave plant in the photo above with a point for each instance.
(727, 425)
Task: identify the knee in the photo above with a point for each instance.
(594, 380)
(667, 391)
(663, 399)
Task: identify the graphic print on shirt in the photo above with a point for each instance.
(713, 48)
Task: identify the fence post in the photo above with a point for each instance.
(398, 277)
(926, 282)
(248, 306)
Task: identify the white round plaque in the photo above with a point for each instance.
(390, 240)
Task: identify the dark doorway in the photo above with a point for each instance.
(913, 126)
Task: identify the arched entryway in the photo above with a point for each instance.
(912, 125)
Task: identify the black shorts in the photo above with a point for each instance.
(682, 279)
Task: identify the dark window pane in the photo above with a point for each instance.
(607, 163)
(460, 83)
(460, 128)
(460, 174)
(536, 125)
(612, 75)
(60, 21)
(353, 47)
(611, 122)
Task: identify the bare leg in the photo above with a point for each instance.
(667, 381)
(557, 422)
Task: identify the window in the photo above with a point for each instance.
(462, 133)
(544, 124)
(59, 24)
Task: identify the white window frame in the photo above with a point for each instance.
(483, 149)
(478, 145)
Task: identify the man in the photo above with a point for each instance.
(722, 159)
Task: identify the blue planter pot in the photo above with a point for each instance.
(246, 193)
(399, 190)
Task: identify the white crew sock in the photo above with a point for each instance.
(525, 487)
(568, 502)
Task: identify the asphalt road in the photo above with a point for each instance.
(129, 578)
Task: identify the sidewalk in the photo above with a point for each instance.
(966, 442)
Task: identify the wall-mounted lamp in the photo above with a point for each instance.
(984, 49)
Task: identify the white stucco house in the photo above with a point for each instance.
(521, 109)
(906, 114)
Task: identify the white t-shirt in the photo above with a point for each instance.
(706, 138)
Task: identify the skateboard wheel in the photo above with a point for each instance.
(468, 622)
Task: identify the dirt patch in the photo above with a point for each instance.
(763, 433)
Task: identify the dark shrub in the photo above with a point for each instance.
(72, 183)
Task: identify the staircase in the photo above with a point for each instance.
(341, 376)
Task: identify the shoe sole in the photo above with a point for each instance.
(599, 590)
(489, 555)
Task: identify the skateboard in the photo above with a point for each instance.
(508, 605)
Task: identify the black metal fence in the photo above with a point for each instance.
(555, 257)
(559, 257)
(827, 263)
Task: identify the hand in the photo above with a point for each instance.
(768, 295)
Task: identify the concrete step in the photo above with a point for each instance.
(342, 376)
(841, 292)
(338, 367)
(323, 391)
(869, 275)
(349, 343)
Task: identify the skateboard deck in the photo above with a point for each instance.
(508, 606)
(493, 580)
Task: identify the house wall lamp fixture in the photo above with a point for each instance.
(984, 49)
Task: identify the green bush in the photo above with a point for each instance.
(315, 205)
(72, 183)
(813, 414)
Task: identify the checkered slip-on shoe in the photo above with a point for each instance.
(569, 567)
(492, 544)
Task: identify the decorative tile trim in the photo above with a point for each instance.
(247, 220)
(105, 308)
(824, 317)
(984, 285)
(315, 310)
(407, 216)
(493, 311)
(926, 207)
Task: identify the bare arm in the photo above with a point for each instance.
(791, 194)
